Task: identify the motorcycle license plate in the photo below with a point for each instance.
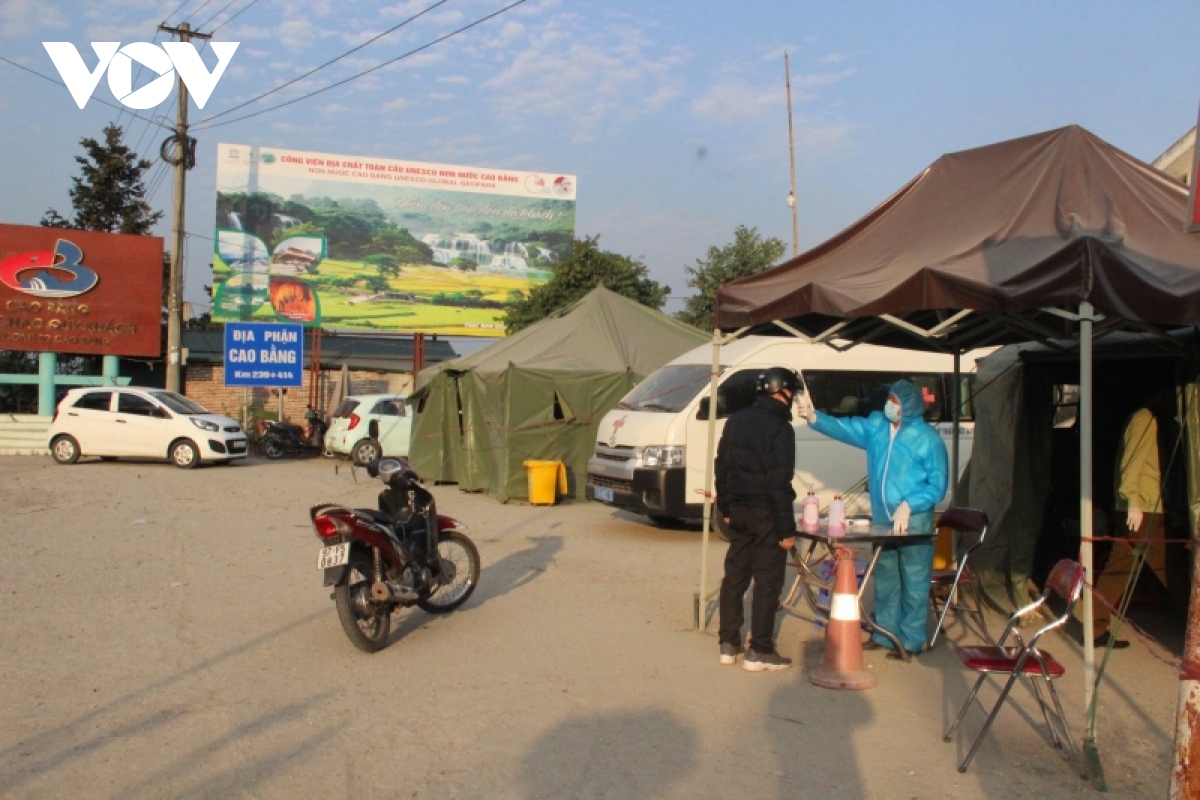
(334, 556)
(604, 495)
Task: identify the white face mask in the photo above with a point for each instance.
(892, 411)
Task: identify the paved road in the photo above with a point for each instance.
(164, 634)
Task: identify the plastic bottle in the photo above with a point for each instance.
(810, 514)
(837, 516)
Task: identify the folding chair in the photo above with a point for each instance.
(1066, 581)
(959, 520)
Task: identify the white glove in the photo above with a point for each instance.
(1134, 518)
(900, 518)
(805, 408)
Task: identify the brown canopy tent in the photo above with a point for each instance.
(1056, 238)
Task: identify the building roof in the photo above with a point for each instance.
(368, 352)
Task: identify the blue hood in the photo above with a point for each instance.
(912, 400)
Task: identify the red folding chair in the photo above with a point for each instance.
(1066, 581)
(959, 589)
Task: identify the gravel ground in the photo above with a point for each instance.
(165, 634)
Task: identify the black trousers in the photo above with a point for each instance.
(754, 552)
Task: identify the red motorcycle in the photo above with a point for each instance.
(402, 555)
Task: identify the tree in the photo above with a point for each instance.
(110, 193)
(586, 268)
(377, 284)
(749, 254)
(386, 264)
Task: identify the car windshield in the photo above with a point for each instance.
(668, 390)
(179, 404)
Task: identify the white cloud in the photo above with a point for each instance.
(403, 10)
(601, 79)
(296, 32)
(24, 17)
(731, 102)
(397, 104)
(834, 58)
(446, 17)
(440, 96)
(453, 79)
(734, 102)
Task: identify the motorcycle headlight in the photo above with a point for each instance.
(662, 456)
(205, 425)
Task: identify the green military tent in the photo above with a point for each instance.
(539, 394)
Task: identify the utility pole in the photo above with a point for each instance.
(791, 201)
(183, 158)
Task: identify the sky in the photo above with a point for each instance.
(672, 114)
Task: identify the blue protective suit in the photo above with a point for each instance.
(911, 467)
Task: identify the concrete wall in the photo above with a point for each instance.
(205, 383)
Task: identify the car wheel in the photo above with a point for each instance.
(366, 451)
(65, 449)
(185, 455)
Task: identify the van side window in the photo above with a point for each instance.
(857, 394)
(735, 393)
(96, 401)
(135, 404)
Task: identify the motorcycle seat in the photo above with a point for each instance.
(375, 516)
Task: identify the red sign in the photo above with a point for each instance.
(68, 291)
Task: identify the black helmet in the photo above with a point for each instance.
(777, 379)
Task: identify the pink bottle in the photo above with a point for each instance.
(837, 516)
(810, 514)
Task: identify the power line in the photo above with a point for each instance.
(60, 83)
(364, 72)
(235, 16)
(189, 15)
(176, 11)
(314, 70)
(214, 16)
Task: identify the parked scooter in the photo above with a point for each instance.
(402, 555)
(279, 439)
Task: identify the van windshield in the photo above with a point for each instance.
(668, 390)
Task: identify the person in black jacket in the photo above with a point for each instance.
(755, 464)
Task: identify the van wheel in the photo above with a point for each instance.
(185, 455)
(65, 449)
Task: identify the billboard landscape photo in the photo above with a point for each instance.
(350, 243)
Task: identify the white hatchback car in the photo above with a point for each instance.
(115, 421)
(369, 427)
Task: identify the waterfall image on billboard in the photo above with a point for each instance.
(353, 243)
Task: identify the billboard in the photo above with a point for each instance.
(264, 354)
(69, 291)
(352, 243)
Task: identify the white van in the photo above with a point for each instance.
(650, 455)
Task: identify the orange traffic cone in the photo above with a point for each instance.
(842, 667)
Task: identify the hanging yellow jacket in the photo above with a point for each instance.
(1139, 481)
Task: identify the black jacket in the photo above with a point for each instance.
(756, 461)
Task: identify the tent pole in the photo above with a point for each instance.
(1085, 508)
(956, 417)
(701, 604)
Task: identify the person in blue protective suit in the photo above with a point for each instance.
(907, 474)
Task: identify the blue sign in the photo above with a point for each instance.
(264, 354)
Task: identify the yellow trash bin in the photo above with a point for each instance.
(544, 478)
